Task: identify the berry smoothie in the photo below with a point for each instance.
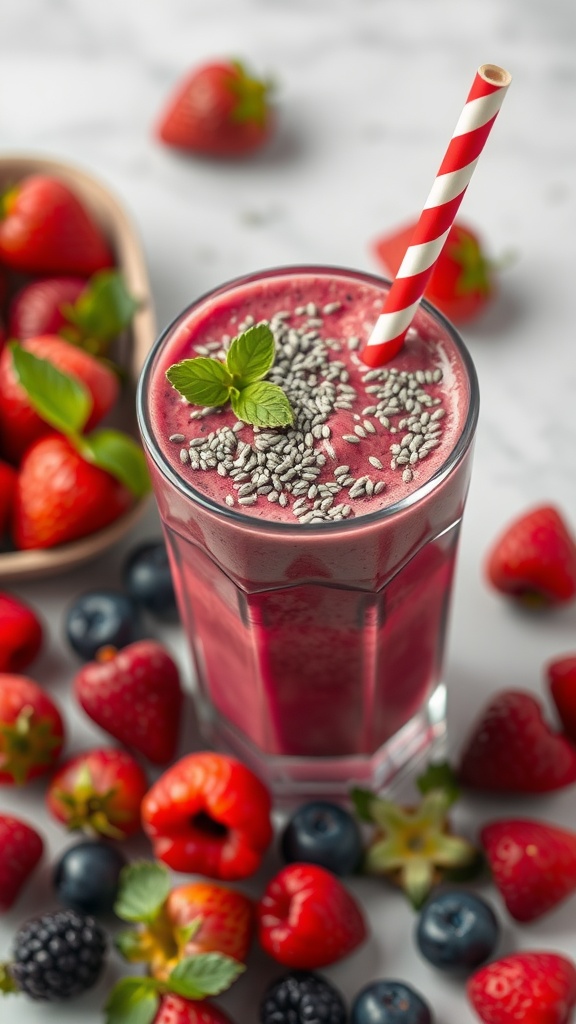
(313, 563)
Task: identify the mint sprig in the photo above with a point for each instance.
(65, 403)
(239, 380)
(144, 888)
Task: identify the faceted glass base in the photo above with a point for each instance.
(292, 778)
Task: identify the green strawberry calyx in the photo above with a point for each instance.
(414, 846)
(251, 95)
(239, 380)
(476, 271)
(88, 809)
(65, 403)
(7, 984)
(29, 742)
(101, 312)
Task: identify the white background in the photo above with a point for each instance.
(368, 94)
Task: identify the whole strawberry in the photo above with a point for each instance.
(562, 682)
(218, 110)
(170, 1008)
(511, 749)
(534, 560)
(46, 229)
(38, 308)
(136, 696)
(524, 988)
(209, 814)
(20, 851)
(307, 919)
(533, 864)
(20, 423)
(100, 791)
(31, 730)
(20, 634)
(61, 497)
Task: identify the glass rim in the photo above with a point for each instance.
(245, 520)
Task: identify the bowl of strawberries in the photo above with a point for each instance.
(76, 322)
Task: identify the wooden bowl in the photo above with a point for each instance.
(20, 566)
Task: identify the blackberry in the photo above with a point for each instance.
(301, 997)
(58, 956)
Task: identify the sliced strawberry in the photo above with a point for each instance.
(525, 988)
(534, 560)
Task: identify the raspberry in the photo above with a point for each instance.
(58, 956)
(302, 998)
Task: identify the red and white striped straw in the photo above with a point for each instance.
(473, 128)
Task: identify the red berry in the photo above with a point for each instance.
(46, 229)
(562, 682)
(525, 988)
(100, 791)
(176, 1010)
(39, 307)
(20, 634)
(307, 919)
(20, 850)
(226, 916)
(209, 814)
(219, 110)
(512, 749)
(31, 730)
(135, 695)
(533, 865)
(7, 492)
(534, 560)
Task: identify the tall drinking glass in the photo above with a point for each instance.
(313, 565)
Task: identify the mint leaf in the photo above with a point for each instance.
(119, 455)
(201, 381)
(439, 775)
(207, 974)
(362, 800)
(262, 404)
(60, 400)
(104, 308)
(133, 1001)
(144, 888)
(251, 355)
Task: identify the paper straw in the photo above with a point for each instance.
(473, 128)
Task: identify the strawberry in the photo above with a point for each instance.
(218, 110)
(462, 282)
(562, 682)
(534, 560)
(2, 332)
(7, 491)
(209, 814)
(135, 695)
(100, 791)
(20, 850)
(512, 749)
(20, 424)
(175, 1010)
(38, 307)
(525, 988)
(46, 229)
(169, 1008)
(20, 634)
(533, 865)
(307, 919)
(60, 497)
(31, 730)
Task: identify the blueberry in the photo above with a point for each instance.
(325, 834)
(390, 1002)
(148, 580)
(101, 618)
(86, 877)
(457, 930)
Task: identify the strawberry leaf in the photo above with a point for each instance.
(251, 355)
(119, 455)
(144, 888)
(103, 309)
(133, 1001)
(439, 775)
(207, 974)
(262, 404)
(201, 381)
(59, 399)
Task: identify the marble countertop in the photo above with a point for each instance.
(368, 94)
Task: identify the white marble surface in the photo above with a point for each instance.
(368, 94)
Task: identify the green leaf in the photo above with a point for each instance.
(262, 404)
(189, 931)
(133, 1001)
(60, 400)
(103, 309)
(133, 945)
(251, 355)
(207, 974)
(439, 775)
(201, 381)
(119, 455)
(362, 800)
(144, 888)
